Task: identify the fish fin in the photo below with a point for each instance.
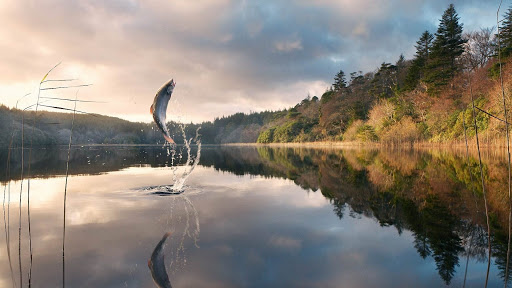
(169, 139)
(151, 109)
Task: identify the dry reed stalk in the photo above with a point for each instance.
(483, 184)
(65, 197)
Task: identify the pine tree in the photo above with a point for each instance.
(506, 34)
(424, 45)
(401, 72)
(339, 81)
(447, 47)
(416, 70)
(449, 42)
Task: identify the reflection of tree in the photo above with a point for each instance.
(416, 222)
(445, 244)
(500, 248)
(339, 208)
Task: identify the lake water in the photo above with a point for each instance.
(256, 217)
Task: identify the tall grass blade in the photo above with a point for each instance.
(483, 184)
(65, 197)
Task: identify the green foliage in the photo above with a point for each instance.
(366, 133)
(292, 113)
(287, 132)
(327, 96)
(494, 70)
(402, 108)
(453, 127)
(266, 136)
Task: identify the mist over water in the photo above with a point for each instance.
(258, 217)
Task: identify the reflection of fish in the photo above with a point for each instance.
(157, 266)
(159, 108)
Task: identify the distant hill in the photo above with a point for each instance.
(53, 128)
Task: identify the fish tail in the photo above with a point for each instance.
(169, 139)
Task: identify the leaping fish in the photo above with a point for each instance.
(159, 108)
(157, 266)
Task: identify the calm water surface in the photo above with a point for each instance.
(255, 217)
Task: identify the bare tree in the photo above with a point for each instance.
(479, 48)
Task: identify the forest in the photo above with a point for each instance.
(425, 99)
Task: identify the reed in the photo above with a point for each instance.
(34, 124)
(474, 196)
(483, 183)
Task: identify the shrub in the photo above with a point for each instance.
(381, 115)
(366, 133)
(403, 131)
(266, 136)
(287, 132)
(352, 131)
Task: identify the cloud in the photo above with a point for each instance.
(288, 46)
(223, 54)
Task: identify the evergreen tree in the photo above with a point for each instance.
(424, 45)
(449, 41)
(401, 72)
(506, 34)
(447, 47)
(423, 51)
(339, 81)
(384, 82)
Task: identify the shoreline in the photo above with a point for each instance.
(420, 145)
(323, 144)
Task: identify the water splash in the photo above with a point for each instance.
(180, 173)
(192, 161)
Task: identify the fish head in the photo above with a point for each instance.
(170, 86)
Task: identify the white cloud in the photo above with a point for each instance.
(288, 46)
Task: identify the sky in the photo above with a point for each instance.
(226, 56)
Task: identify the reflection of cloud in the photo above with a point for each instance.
(224, 249)
(286, 243)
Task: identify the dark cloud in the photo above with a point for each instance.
(231, 55)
